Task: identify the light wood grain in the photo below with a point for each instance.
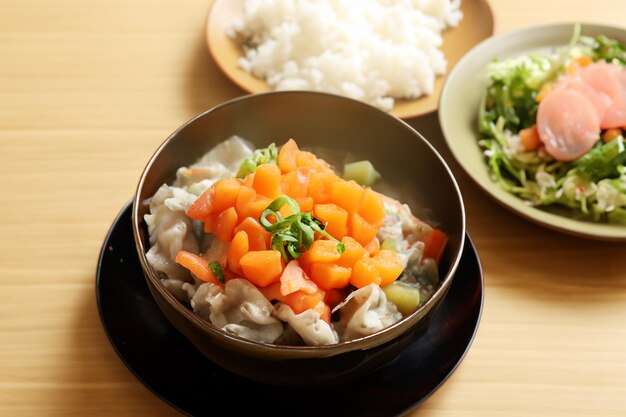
(90, 88)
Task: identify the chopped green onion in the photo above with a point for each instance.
(295, 233)
(216, 268)
(267, 155)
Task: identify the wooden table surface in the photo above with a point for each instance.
(89, 89)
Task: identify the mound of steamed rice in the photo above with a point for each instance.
(370, 50)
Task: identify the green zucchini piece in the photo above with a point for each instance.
(406, 297)
(363, 172)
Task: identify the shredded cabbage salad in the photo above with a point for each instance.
(592, 187)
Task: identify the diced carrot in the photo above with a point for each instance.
(584, 61)
(225, 224)
(263, 267)
(324, 310)
(435, 245)
(529, 137)
(328, 276)
(346, 194)
(388, 265)
(247, 195)
(203, 206)
(334, 296)
(295, 183)
(364, 273)
(294, 279)
(248, 180)
(373, 247)
(226, 192)
(352, 253)
(287, 156)
(299, 301)
(210, 221)
(322, 250)
(371, 208)
(256, 208)
(267, 180)
(238, 247)
(361, 229)
(543, 92)
(319, 185)
(197, 265)
(308, 159)
(258, 238)
(285, 211)
(333, 217)
(610, 134)
(305, 203)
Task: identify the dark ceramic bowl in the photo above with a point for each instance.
(316, 121)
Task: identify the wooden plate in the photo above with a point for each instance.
(477, 24)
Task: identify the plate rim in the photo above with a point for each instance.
(126, 210)
(243, 81)
(562, 224)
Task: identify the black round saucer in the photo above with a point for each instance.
(165, 362)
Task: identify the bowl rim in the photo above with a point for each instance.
(364, 342)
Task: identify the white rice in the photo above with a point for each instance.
(370, 50)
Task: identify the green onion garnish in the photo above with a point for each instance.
(216, 268)
(295, 233)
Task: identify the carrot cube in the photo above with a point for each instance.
(262, 268)
(333, 217)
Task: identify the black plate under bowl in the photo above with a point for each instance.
(165, 362)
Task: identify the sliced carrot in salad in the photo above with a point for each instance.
(529, 137)
(580, 62)
(610, 134)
